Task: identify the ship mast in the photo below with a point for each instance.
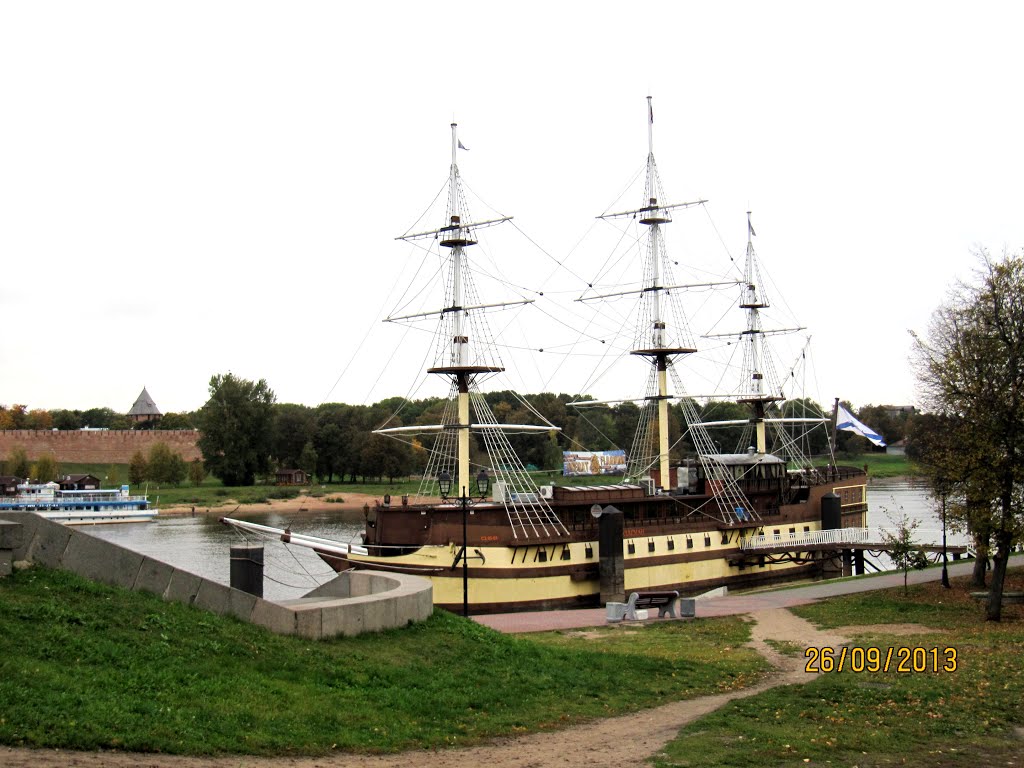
(457, 238)
(657, 350)
(753, 337)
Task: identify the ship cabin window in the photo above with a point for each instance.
(650, 545)
(792, 533)
(632, 548)
(589, 551)
(725, 537)
(807, 529)
(671, 545)
(707, 541)
(565, 553)
(775, 533)
(689, 543)
(542, 555)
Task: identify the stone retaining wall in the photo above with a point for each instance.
(353, 603)
(112, 446)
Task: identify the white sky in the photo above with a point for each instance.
(194, 187)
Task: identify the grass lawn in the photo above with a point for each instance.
(965, 717)
(86, 666)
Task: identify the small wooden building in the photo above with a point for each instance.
(9, 485)
(292, 477)
(79, 483)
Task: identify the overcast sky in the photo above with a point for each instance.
(190, 188)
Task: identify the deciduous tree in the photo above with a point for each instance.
(971, 367)
(236, 424)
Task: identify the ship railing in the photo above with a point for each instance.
(837, 536)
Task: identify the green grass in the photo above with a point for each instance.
(85, 666)
(966, 717)
(878, 464)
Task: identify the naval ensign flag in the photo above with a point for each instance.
(847, 421)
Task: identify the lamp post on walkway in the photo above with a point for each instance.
(945, 572)
(444, 484)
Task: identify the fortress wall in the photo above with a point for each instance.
(114, 446)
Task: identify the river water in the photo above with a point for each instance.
(201, 544)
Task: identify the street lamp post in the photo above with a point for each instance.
(444, 483)
(945, 573)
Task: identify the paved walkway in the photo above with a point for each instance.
(731, 605)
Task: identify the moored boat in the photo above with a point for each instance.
(496, 541)
(79, 507)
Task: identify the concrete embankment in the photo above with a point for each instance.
(352, 603)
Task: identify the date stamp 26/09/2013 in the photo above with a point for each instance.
(899, 659)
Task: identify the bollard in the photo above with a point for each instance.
(247, 569)
(611, 565)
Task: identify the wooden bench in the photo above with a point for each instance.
(665, 602)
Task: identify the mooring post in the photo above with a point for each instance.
(611, 565)
(247, 569)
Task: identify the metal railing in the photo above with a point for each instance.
(837, 536)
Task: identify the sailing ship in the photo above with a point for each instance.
(495, 541)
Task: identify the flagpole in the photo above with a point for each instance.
(835, 420)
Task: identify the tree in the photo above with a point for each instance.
(137, 468)
(18, 463)
(236, 424)
(308, 458)
(165, 466)
(294, 427)
(902, 548)
(196, 472)
(971, 367)
(45, 469)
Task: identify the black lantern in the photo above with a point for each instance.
(483, 483)
(444, 483)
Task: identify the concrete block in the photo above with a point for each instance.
(6, 563)
(277, 618)
(101, 560)
(48, 544)
(344, 620)
(29, 523)
(614, 612)
(182, 587)
(359, 583)
(309, 622)
(337, 587)
(379, 614)
(154, 576)
(213, 597)
(10, 535)
(240, 604)
(687, 607)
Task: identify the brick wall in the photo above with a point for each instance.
(114, 446)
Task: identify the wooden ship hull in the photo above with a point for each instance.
(665, 543)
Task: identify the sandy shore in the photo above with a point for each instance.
(352, 506)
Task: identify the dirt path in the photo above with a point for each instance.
(608, 743)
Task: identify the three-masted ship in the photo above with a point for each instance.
(492, 540)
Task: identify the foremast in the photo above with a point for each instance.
(465, 353)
